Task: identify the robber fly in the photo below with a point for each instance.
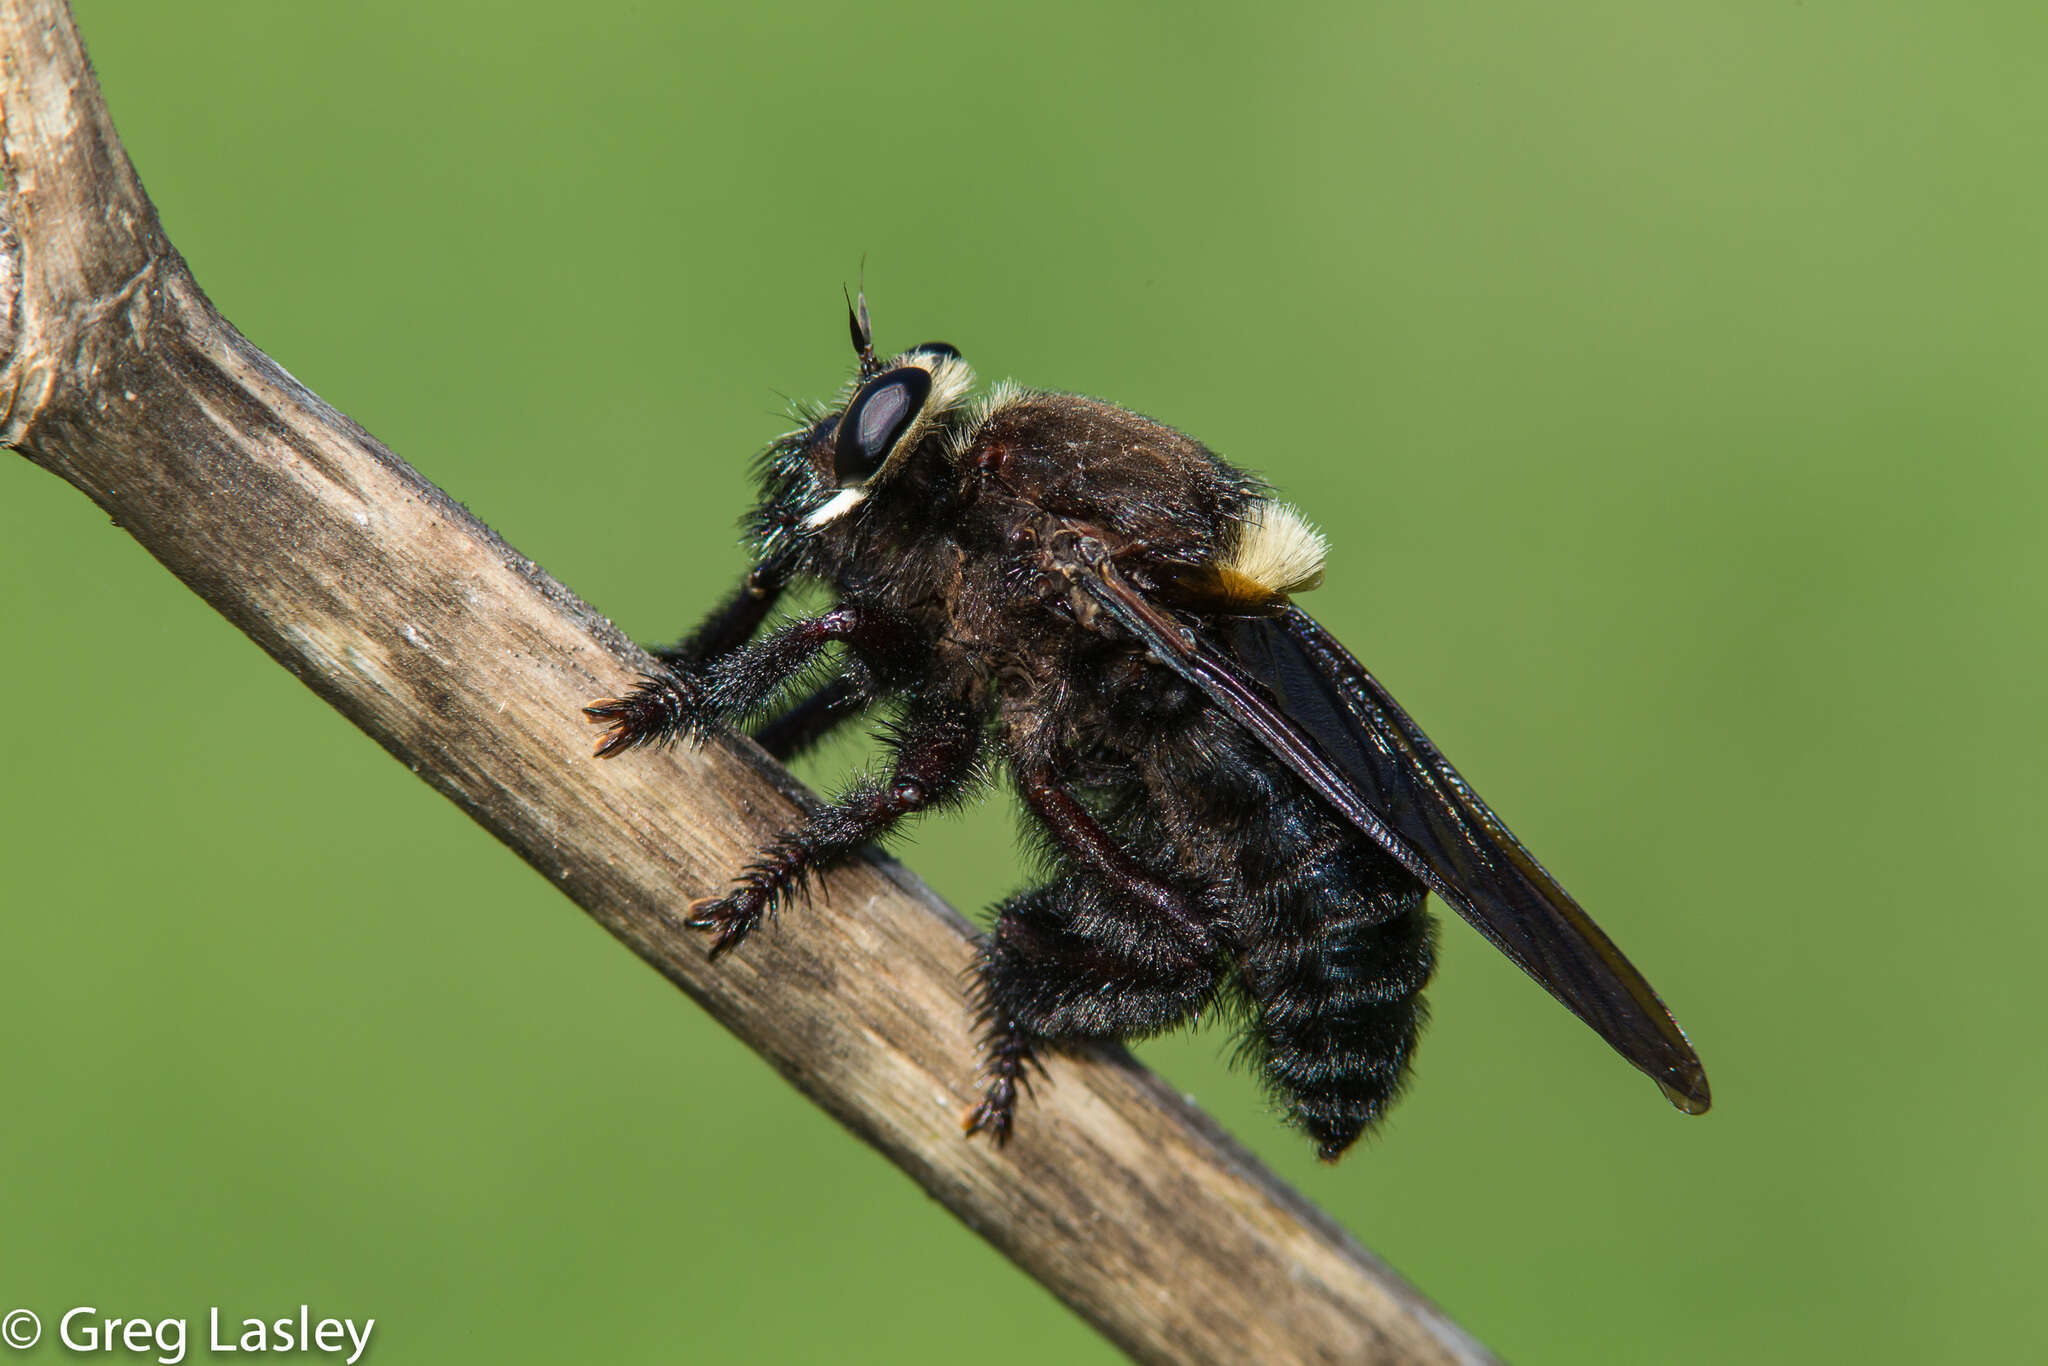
(1233, 812)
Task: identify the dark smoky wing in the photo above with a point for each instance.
(1493, 881)
(1319, 711)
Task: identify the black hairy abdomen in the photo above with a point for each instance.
(1332, 942)
(1320, 944)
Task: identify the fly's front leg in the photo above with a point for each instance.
(664, 704)
(732, 623)
(670, 705)
(936, 747)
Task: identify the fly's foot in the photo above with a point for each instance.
(993, 1115)
(730, 918)
(661, 708)
(1007, 1067)
(783, 868)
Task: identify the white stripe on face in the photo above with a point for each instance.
(835, 507)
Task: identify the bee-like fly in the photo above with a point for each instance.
(1233, 812)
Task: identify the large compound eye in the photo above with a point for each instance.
(876, 420)
(944, 350)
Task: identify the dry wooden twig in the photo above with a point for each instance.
(470, 665)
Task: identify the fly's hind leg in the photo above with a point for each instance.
(1063, 965)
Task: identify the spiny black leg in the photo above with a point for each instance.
(1069, 961)
(1007, 1057)
(747, 680)
(665, 704)
(733, 622)
(1106, 953)
(670, 705)
(662, 707)
(936, 747)
(794, 731)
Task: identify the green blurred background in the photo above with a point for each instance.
(1670, 378)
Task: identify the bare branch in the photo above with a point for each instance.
(469, 664)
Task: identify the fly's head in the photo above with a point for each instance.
(873, 458)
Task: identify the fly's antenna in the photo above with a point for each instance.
(861, 326)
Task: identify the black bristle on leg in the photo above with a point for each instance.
(663, 707)
(670, 706)
(1007, 1059)
(937, 748)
